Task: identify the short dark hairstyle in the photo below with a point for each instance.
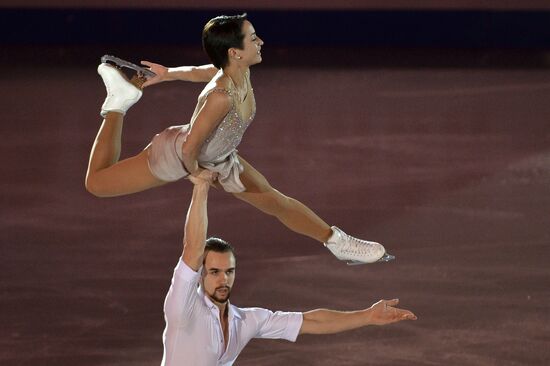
(220, 34)
(217, 245)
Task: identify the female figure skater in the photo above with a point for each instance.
(225, 108)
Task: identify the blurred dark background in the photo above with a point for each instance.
(398, 33)
(423, 125)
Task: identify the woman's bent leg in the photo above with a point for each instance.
(292, 213)
(106, 176)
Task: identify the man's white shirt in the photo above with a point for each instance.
(193, 333)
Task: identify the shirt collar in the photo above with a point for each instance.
(233, 311)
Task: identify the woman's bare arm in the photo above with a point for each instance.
(213, 111)
(203, 73)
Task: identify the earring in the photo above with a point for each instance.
(239, 57)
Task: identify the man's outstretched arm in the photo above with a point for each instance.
(322, 321)
(196, 223)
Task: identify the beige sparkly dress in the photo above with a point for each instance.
(218, 153)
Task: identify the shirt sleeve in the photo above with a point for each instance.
(278, 325)
(182, 294)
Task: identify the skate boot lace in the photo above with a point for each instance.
(356, 246)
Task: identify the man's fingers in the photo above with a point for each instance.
(406, 314)
(207, 175)
(147, 63)
(391, 302)
(392, 314)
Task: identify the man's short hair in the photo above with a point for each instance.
(217, 245)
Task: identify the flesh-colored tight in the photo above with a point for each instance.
(109, 177)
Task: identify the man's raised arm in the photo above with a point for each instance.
(196, 224)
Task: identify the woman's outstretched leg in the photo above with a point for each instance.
(299, 218)
(106, 176)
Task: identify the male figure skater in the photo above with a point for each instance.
(204, 329)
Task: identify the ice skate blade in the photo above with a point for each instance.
(123, 63)
(385, 258)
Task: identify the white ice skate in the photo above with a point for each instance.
(356, 251)
(121, 94)
(108, 59)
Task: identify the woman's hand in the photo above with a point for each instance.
(158, 69)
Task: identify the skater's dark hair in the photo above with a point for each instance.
(217, 245)
(220, 34)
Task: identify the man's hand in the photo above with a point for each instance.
(384, 312)
(203, 176)
(158, 69)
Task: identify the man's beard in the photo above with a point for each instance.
(225, 298)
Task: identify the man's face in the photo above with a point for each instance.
(218, 276)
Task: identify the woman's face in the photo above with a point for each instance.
(252, 45)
